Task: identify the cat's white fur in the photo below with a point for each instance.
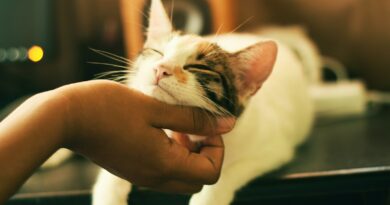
(57, 158)
(277, 119)
(175, 54)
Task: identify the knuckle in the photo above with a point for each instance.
(213, 179)
(197, 189)
(192, 189)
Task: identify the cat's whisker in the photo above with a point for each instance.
(223, 96)
(121, 76)
(143, 13)
(146, 16)
(207, 47)
(116, 72)
(211, 53)
(112, 56)
(219, 109)
(141, 25)
(186, 92)
(213, 39)
(102, 75)
(109, 64)
(217, 32)
(120, 79)
(108, 77)
(172, 9)
(205, 108)
(242, 24)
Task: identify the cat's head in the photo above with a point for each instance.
(191, 70)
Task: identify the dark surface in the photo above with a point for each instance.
(345, 161)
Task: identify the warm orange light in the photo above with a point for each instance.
(35, 53)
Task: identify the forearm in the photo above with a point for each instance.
(28, 136)
(111, 125)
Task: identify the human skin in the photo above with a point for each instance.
(119, 129)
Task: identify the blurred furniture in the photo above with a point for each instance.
(353, 31)
(345, 161)
(64, 29)
(357, 33)
(220, 13)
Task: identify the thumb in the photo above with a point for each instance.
(190, 120)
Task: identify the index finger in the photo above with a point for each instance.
(190, 120)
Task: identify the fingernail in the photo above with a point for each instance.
(225, 124)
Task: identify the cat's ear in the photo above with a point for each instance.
(159, 23)
(252, 66)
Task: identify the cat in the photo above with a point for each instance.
(258, 80)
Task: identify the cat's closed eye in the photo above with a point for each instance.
(152, 51)
(206, 71)
(197, 66)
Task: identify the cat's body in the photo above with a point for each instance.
(278, 117)
(271, 122)
(274, 122)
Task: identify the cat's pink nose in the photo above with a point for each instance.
(162, 72)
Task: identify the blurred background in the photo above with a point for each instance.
(45, 43)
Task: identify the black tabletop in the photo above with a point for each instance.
(342, 154)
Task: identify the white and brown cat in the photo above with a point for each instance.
(259, 81)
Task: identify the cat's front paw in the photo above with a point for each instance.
(110, 190)
(208, 196)
(108, 199)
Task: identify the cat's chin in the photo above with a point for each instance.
(163, 95)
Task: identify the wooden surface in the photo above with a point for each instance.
(345, 157)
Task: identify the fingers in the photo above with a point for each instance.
(184, 140)
(203, 167)
(179, 170)
(189, 120)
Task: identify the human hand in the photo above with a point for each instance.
(121, 130)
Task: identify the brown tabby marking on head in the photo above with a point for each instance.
(217, 89)
(216, 77)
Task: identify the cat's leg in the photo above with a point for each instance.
(57, 158)
(110, 190)
(235, 176)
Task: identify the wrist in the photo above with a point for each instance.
(62, 106)
(56, 121)
(35, 130)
